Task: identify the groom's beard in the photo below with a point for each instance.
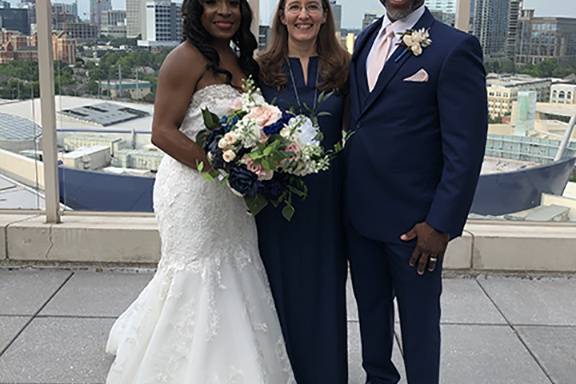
(397, 14)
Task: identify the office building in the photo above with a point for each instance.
(64, 13)
(113, 18)
(15, 19)
(81, 31)
(96, 9)
(491, 25)
(545, 38)
(163, 24)
(337, 11)
(135, 18)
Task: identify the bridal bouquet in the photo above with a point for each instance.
(262, 153)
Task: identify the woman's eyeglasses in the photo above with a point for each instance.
(311, 9)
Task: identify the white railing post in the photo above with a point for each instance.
(566, 139)
(48, 107)
(255, 5)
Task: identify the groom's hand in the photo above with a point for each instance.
(430, 246)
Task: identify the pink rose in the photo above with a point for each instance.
(264, 115)
(258, 169)
(251, 165)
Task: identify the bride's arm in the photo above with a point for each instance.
(177, 82)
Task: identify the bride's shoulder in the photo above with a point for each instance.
(186, 52)
(183, 62)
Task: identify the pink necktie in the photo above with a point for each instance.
(379, 57)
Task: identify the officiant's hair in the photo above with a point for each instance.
(334, 59)
(244, 41)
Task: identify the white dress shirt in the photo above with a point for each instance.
(398, 26)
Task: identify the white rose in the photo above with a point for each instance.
(222, 143)
(230, 138)
(416, 49)
(229, 155)
(307, 132)
(408, 40)
(285, 132)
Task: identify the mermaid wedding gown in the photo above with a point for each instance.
(207, 316)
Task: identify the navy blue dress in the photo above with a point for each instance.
(305, 258)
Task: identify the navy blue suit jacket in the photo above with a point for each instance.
(417, 147)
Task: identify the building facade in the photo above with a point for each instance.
(113, 31)
(514, 12)
(545, 38)
(163, 21)
(337, 11)
(64, 48)
(96, 9)
(503, 92)
(443, 10)
(491, 25)
(82, 31)
(113, 17)
(14, 19)
(135, 18)
(563, 94)
(63, 13)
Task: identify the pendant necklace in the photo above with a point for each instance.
(295, 88)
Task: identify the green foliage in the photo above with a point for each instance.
(24, 70)
(547, 68)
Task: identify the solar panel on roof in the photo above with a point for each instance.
(14, 128)
(104, 114)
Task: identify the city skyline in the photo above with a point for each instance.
(352, 15)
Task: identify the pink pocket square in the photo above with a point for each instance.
(419, 77)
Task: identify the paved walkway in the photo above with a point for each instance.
(497, 330)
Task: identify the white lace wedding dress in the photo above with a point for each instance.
(207, 316)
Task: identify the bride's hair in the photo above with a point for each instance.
(334, 59)
(244, 41)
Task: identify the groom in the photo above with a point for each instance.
(419, 116)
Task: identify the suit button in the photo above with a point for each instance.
(358, 126)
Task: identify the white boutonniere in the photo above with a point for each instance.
(416, 40)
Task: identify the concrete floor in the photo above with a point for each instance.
(496, 330)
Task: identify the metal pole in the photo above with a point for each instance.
(48, 107)
(566, 139)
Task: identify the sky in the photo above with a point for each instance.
(354, 10)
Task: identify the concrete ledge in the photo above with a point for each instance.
(86, 239)
(459, 253)
(5, 221)
(134, 240)
(524, 247)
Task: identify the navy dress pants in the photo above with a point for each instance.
(380, 273)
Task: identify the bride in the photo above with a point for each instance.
(207, 316)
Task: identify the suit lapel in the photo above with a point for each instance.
(394, 63)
